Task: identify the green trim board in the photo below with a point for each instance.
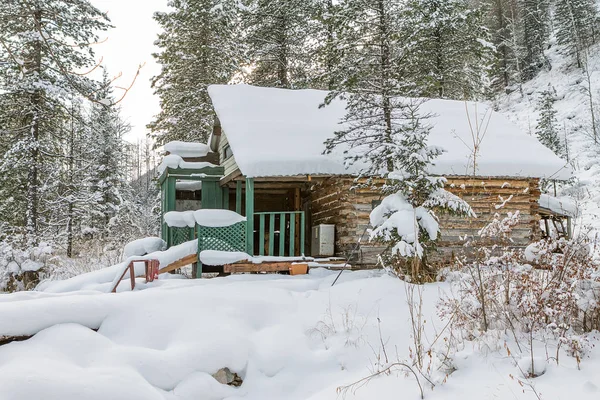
(249, 215)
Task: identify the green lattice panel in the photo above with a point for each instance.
(181, 235)
(229, 238)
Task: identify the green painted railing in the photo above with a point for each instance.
(281, 233)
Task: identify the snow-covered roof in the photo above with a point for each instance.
(561, 206)
(187, 149)
(174, 161)
(279, 132)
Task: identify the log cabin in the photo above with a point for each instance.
(265, 161)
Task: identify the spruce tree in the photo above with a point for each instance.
(277, 36)
(107, 174)
(450, 48)
(45, 44)
(386, 134)
(577, 26)
(501, 20)
(535, 31)
(328, 30)
(200, 46)
(547, 130)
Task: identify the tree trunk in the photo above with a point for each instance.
(385, 78)
(32, 194)
(282, 68)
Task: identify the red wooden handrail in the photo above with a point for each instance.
(151, 272)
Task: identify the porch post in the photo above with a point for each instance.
(238, 197)
(170, 205)
(250, 216)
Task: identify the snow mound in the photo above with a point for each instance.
(105, 279)
(144, 246)
(180, 219)
(214, 257)
(562, 206)
(288, 337)
(217, 218)
(177, 162)
(187, 149)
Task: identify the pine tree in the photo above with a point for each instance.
(200, 46)
(547, 129)
(277, 35)
(535, 31)
(577, 26)
(40, 69)
(450, 49)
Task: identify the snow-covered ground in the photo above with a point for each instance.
(287, 337)
(574, 116)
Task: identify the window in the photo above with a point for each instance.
(227, 153)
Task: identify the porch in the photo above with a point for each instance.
(275, 221)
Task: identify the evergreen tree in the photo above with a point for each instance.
(200, 46)
(577, 26)
(277, 36)
(44, 44)
(107, 174)
(450, 48)
(373, 82)
(547, 130)
(328, 28)
(535, 31)
(501, 21)
(385, 133)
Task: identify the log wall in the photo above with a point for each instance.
(333, 201)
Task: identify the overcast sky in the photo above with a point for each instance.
(129, 44)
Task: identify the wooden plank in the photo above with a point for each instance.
(238, 197)
(261, 235)
(303, 233)
(292, 234)
(187, 260)
(250, 216)
(231, 176)
(271, 233)
(263, 267)
(281, 235)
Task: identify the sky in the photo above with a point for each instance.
(128, 45)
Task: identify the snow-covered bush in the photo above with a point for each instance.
(21, 269)
(549, 291)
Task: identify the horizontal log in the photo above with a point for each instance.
(262, 267)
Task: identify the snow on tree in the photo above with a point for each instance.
(386, 134)
(548, 130)
(44, 47)
(449, 48)
(200, 45)
(328, 28)
(277, 38)
(501, 21)
(107, 175)
(576, 26)
(535, 31)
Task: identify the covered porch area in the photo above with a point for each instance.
(277, 212)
